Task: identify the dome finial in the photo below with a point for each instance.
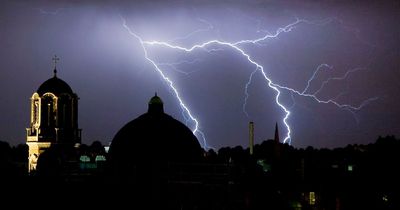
(156, 104)
(55, 60)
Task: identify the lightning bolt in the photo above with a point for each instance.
(293, 101)
(208, 28)
(236, 46)
(239, 50)
(313, 76)
(45, 12)
(177, 69)
(246, 92)
(186, 110)
(338, 78)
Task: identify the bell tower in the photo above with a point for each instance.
(54, 118)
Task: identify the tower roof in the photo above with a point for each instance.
(54, 85)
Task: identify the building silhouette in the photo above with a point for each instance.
(151, 141)
(156, 161)
(155, 156)
(54, 118)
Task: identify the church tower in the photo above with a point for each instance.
(277, 146)
(54, 118)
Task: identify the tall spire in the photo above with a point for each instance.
(276, 133)
(55, 60)
(277, 148)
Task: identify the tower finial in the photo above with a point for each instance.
(155, 94)
(276, 133)
(55, 60)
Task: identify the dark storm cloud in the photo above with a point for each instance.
(105, 65)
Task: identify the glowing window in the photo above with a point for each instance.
(350, 168)
(312, 198)
(100, 158)
(84, 158)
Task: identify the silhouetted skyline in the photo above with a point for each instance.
(106, 67)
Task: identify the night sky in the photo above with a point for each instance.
(105, 65)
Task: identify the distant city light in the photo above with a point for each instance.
(350, 168)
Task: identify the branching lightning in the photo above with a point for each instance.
(175, 64)
(236, 46)
(208, 28)
(45, 12)
(196, 130)
(313, 76)
(337, 78)
(246, 92)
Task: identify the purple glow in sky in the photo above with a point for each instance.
(351, 49)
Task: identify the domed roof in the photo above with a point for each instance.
(54, 85)
(153, 137)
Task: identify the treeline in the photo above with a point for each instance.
(276, 175)
(352, 177)
(13, 160)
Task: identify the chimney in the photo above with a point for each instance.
(251, 137)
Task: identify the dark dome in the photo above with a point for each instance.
(155, 136)
(153, 140)
(54, 85)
